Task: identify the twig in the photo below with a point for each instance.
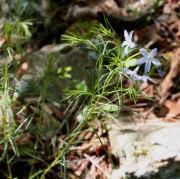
(96, 165)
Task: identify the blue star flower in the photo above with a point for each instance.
(148, 58)
(146, 78)
(134, 76)
(128, 41)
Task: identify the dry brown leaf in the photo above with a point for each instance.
(93, 146)
(172, 4)
(92, 8)
(174, 107)
(88, 135)
(174, 26)
(57, 111)
(25, 140)
(22, 69)
(2, 42)
(174, 72)
(79, 171)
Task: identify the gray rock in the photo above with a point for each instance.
(42, 73)
(150, 150)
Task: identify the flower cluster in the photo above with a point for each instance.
(147, 58)
(134, 76)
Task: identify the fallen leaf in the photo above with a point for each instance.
(174, 107)
(174, 72)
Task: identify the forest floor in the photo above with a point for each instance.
(94, 152)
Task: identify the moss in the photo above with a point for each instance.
(82, 28)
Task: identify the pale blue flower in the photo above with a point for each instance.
(146, 78)
(134, 76)
(148, 58)
(160, 72)
(128, 43)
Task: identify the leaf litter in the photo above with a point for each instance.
(88, 158)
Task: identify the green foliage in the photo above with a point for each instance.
(64, 73)
(14, 32)
(130, 63)
(23, 28)
(108, 81)
(81, 28)
(80, 85)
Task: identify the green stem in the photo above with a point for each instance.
(133, 56)
(77, 130)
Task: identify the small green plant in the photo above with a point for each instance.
(115, 62)
(64, 73)
(14, 32)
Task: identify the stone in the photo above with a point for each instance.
(146, 150)
(47, 71)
